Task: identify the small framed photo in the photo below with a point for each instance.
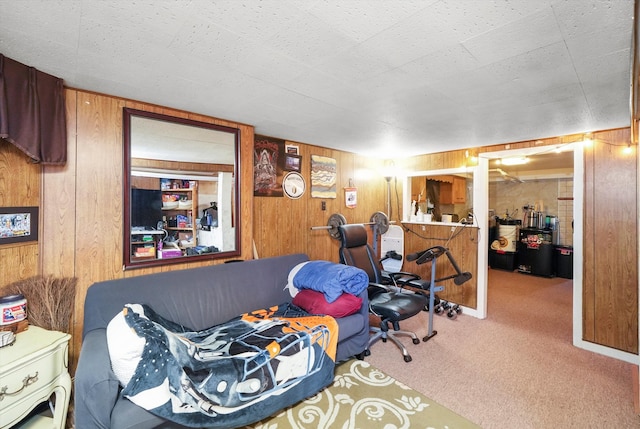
(291, 149)
(292, 162)
(18, 224)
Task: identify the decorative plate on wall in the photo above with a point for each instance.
(293, 185)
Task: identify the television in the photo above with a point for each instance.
(146, 209)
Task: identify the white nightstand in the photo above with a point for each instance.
(31, 370)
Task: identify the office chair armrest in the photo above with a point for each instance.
(388, 288)
(402, 277)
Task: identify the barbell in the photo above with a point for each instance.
(379, 220)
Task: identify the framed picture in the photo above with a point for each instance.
(18, 224)
(291, 149)
(268, 166)
(323, 177)
(351, 197)
(292, 162)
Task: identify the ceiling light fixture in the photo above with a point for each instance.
(516, 160)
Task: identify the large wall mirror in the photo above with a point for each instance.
(181, 190)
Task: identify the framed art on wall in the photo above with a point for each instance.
(292, 149)
(292, 162)
(323, 177)
(18, 224)
(268, 166)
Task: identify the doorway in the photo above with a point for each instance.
(520, 186)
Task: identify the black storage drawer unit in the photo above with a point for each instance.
(502, 260)
(563, 261)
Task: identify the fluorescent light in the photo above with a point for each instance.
(516, 160)
(174, 174)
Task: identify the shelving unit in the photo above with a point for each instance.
(144, 244)
(182, 219)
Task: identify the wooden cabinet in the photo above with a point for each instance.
(180, 211)
(453, 189)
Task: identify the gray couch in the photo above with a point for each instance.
(197, 298)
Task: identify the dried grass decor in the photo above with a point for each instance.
(50, 300)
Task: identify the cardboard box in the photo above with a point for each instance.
(145, 252)
(169, 253)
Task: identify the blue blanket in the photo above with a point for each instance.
(331, 279)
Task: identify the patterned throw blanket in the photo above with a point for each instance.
(231, 374)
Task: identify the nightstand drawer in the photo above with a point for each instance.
(31, 376)
(31, 370)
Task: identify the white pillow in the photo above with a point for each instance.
(125, 346)
(292, 289)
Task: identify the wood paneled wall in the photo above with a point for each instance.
(81, 214)
(283, 226)
(83, 211)
(610, 275)
(463, 247)
(19, 187)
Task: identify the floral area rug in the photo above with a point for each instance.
(362, 396)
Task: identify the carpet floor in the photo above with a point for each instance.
(362, 396)
(517, 368)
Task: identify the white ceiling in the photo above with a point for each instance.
(384, 78)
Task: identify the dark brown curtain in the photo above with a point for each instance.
(32, 112)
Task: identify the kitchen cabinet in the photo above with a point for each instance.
(453, 189)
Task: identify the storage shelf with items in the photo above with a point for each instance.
(144, 244)
(179, 209)
(143, 250)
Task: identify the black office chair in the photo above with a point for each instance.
(389, 302)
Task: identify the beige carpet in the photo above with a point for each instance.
(517, 368)
(362, 396)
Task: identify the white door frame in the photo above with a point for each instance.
(578, 199)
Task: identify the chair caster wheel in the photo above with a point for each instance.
(367, 352)
(384, 340)
(457, 309)
(439, 310)
(416, 341)
(452, 314)
(407, 358)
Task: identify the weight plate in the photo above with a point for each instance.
(335, 221)
(380, 221)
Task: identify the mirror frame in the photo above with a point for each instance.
(128, 113)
